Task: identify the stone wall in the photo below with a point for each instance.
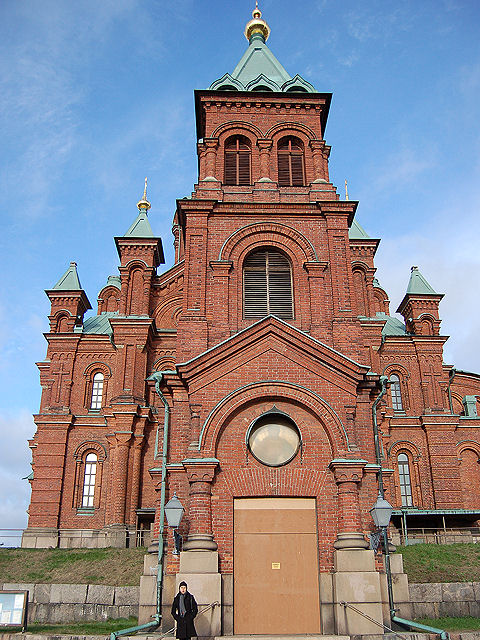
(445, 599)
(77, 602)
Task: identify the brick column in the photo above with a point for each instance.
(320, 156)
(211, 145)
(137, 461)
(200, 474)
(348, 474)
(265, 147)
(120, 442)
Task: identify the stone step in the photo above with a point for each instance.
(300, 636)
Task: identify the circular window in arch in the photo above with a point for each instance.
(273, 439)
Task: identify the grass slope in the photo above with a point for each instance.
(100, 628)
(122, 567)
(115, 567)
(441, 562)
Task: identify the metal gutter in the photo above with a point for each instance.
(403, 621)
(157, 378)
(421, 627)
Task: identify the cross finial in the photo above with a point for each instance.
(145, 190)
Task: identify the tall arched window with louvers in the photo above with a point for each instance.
(291, 170)
(267, 285)
(237, 161)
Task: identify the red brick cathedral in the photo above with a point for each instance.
(251, 377)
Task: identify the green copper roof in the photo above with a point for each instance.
(114, 281)
(393, 326)
(99, 324)
(69, 281)
(418, 284)
(257, 60)
(141, 227)
(259, 70)
(356, 232)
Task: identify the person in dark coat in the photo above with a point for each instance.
(184, 610)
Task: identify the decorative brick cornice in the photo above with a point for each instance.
(200, 469)
(347, 470)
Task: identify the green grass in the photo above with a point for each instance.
(466, 623)
(441, 562)
(77, 628)
(115, 567)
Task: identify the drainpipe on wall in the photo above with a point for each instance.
(381, 490)
(450, 380)
(157, 378)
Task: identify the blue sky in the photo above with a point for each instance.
(94, 96)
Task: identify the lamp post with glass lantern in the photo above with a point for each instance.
(174, 513)
(381, 513)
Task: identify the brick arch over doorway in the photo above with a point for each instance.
(270, 392)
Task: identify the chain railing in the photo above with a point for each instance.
(448, 535)
(83, 538)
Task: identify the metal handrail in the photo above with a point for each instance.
(411, 623)
(380, 624)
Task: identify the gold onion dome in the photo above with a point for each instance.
(257, 25)
(144, 203)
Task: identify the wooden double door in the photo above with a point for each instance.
(275, 566)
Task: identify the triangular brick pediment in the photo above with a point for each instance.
(275, 341)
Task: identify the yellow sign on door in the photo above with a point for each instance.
(275, 565)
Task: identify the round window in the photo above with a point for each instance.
(274, 439)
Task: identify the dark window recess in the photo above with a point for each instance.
(237, 161)
(290, 162)
(267, 285)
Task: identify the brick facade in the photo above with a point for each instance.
(222, 371)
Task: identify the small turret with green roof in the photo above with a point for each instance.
(420, 305)
(140, 234)
(69, 302)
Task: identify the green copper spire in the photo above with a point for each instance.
(69, 281)
(418, 285)
(140, 228)
(258, 69)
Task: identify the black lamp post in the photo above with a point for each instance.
(174, 513)
(381, 513)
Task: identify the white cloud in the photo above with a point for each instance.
(15, 458)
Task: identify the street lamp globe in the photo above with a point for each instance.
(381, 512)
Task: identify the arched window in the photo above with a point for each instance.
(237, 161)
(267, 285)
(290, 162)
(88, 493)
(396, 392)
(97, 391)
(404, 477)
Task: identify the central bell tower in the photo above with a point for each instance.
(263, 175)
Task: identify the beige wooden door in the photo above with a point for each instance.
(275, 566)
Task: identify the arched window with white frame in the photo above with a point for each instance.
(396, 392)
(89, 477)
(97, 391)
(404, 480)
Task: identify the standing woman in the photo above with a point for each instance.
(184, 610)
